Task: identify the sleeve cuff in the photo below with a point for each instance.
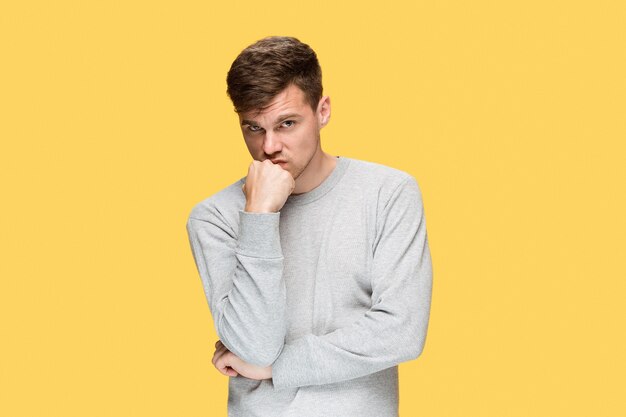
(295, 364)
(259, 235)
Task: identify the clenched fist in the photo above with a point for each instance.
(267, 187)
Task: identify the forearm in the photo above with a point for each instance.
(394, 328)
(244, 285)
(382, 338)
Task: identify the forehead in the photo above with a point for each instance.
(291, 100)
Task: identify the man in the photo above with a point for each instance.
(316, 268)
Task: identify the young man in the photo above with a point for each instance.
(316, 268)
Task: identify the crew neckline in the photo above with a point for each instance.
(325, 186)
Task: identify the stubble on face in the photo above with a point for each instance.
(290, 101)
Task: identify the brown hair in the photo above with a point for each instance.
(268, 66)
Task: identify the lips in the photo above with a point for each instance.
(277, 161)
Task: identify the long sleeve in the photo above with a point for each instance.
(394, 329)
(242, 278)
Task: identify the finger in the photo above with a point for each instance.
(228, 371)
(223, 364)
(220, 347)
(218, 353)
(223, 371)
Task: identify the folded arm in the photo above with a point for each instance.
(242, 278)
(394, 329)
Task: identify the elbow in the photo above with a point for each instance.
(263, 355)
(269, 356)
(416, 342)
(416, 350)
(412, 351)
(259, 348)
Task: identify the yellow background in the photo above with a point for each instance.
(114, 122)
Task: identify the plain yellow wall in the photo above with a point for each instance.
(114, 122)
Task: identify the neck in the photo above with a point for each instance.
(320, 167)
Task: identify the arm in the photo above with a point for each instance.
(242, 279)
(394, 329)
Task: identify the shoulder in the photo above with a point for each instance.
(383, 180)
(221, 208)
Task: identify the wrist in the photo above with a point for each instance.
(258, 209)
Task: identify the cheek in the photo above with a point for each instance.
(307, 139)
(253, 144)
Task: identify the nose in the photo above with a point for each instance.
(271, 143)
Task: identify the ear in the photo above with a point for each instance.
(323, 111)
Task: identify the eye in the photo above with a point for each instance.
(254, 128)
(291, 123)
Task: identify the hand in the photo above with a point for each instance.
(231, 365)
(267, 187)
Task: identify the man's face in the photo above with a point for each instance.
(286, 130)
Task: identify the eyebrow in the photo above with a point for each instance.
(279, 119)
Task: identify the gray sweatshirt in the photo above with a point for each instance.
(333, 291)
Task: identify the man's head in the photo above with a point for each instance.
(267, 67)
(275, 85)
